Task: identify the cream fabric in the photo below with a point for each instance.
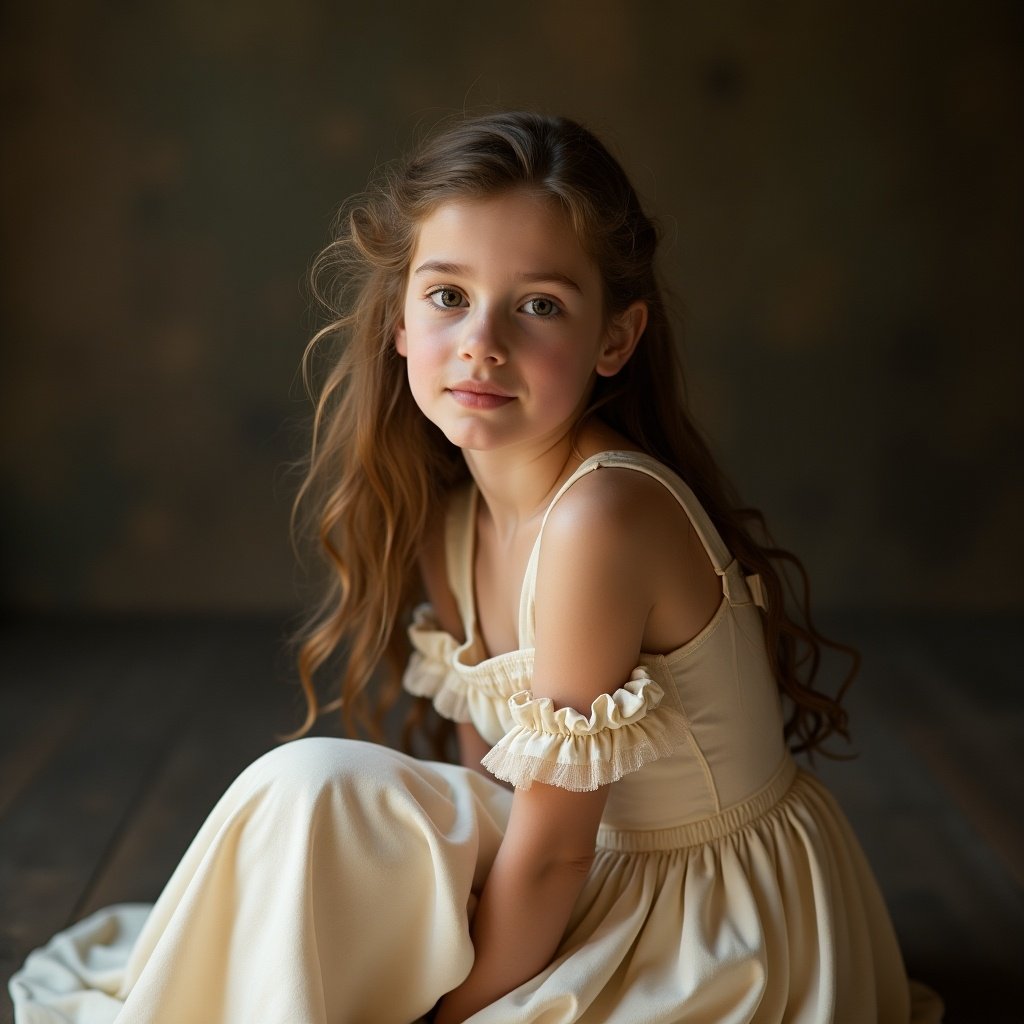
(334, 881)
(580, 753)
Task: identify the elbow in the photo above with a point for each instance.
(580, 865)
(548, 864)
(569, 863)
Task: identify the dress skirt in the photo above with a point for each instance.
(330, 883)
(334, 883)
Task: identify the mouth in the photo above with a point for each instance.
(474, 394)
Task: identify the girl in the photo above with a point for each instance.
(504, 428)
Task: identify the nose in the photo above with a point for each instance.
(481, 340)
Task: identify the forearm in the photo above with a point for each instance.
(518, 924)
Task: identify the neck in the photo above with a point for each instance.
(518, 487)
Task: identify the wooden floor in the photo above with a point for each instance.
(117, 737)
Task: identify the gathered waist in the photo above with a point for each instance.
(696, 833)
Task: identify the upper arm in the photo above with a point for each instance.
(595, 589)
(594, 593)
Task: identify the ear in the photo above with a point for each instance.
(621, 337)
(401, 347)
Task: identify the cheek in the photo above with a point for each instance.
(422, 368)
(563, 370)
(562, 380)
(422, 348)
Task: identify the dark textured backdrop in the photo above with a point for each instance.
(840, 188)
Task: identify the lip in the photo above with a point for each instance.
(478, 394)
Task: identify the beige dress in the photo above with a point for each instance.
(334, 880)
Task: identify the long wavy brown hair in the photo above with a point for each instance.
(378, 466)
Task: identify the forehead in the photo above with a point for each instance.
(517, 230)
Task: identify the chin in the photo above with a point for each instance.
(473, 438)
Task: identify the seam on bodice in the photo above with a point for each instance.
(501, 675)
(735, 589)
(717, 826)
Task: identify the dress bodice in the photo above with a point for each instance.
(336, 879)
(690, 734)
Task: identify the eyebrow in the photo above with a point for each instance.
(457, 269)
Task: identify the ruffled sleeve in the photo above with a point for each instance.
(625, 730)
(431, 670)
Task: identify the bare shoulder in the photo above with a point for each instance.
(615, 513)
(620, 549)
(598, 579)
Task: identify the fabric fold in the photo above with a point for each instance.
(561, 747)
(431, 670)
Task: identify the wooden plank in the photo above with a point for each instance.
(55, 834)
(958, 910)
(250, 705)
(959, 710)
(42, 736)
(45, 689)
(244, 704)
(150, 724)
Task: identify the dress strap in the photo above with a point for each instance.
(458, 549)
(736, 587)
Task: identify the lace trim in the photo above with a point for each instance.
(584, 763)
(428, 677)
(452, 703)
(430, 672)
(623, 708)
(423, 676)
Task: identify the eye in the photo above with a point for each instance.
(446, 298)
(541, 307)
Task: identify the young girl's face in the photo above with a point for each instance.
(503, 326)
